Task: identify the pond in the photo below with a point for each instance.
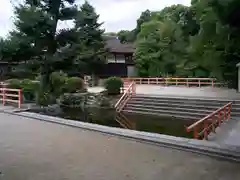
(107, 116)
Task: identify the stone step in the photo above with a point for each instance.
(181, 101)
(185, 104)
(174, 105)
(189, 109)
(174, 113)
(203, 112)
(160, 114)
(178, 106)
(172, 98)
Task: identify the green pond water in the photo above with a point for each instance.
(106, 116)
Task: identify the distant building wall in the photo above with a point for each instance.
(131, 71)
(238, 78)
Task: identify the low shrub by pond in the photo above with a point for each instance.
(113, 85)
(60, 83)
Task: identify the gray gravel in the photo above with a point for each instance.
(37, 150)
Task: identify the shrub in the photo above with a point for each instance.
(29, 89)
(74, 84)
(113, 85)
(58, 80)
(73, 100)
(45, 98)
(14, 83)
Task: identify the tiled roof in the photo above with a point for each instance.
(114, 45)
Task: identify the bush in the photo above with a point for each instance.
(73, 100)
(14, 83)
(29, 89)
(74, 84)
(113, 85)
(58, 80)
(45, 98)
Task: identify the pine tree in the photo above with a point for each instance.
(92, 52)
(36, 29)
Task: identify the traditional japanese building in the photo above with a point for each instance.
(119, 59)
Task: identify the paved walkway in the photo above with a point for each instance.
(228, 134)
(180, 91)
(187, 92)
(31, 149)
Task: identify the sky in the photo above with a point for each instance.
(116, 14)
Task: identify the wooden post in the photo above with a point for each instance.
(19, 98)
(229, 111)
(199, 83)
(195, 132)
(219, 118)
(213, 124)
(225, 113)
(205, 133)
(4, 96)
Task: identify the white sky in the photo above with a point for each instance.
(116, 14)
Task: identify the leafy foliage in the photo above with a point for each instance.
(14, 83)
(200, 41)
(29, 87)
(74, 84)
(91, 45)
(73, 99)
(58, 81)
(113, 85)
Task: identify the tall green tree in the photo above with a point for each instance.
(126, 36)
(216, 46)
(228, 14)
(91, 52)
(158, 48)
(36, 23)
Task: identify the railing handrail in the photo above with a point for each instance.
(9, 89)
(177, 81)
(173, 78)
(124, 94)
(189, 128)
(5, 93)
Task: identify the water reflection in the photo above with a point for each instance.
(109, 117)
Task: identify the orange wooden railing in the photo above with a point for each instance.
(129, 92)
(208, 124)
(189, 82)
(11, 95)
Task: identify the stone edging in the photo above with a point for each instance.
(190, 145)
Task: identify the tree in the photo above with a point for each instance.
(228, 15)
(145, 17)
(157, 52)
(91, 45)
(36, 32)
(126, 36)
(216, 45)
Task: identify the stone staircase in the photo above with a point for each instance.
(178, 107)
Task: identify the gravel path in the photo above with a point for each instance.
(36, 150)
